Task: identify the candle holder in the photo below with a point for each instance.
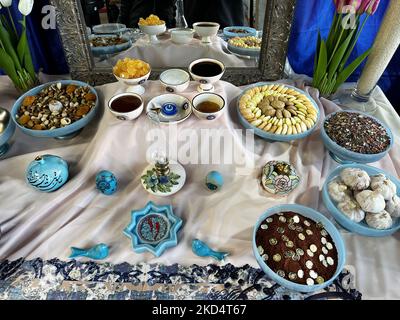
(355, 100)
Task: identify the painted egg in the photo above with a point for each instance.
(106, 182)
(47, 173)
(279, 177)
(214, 181)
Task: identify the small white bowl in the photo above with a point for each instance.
(206, 83)
(182, 35)
(134, 85)
(212, 97)
(153, 31)
(175, 80)
(126, 115)
(206, 30)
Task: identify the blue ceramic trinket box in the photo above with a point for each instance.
(106, 182)
(47, 173)
(98, 252)
(153, 229)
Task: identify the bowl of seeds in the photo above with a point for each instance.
(277, 112)
(352, 136)
(58, 109)
(298, 247)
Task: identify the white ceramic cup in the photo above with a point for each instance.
(206, 83)
(175, 80)
(153, 31)
(134, 85)
(206, 30)
(131, 115)
(211, 97)
(182, 35)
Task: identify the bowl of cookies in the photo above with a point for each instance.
(352, 136)
(278, 112)
(152, 26)
(363, 199)
(58, 109)
(298, 247)
(245, 46)
(132, 73)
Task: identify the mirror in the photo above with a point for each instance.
(249, 37)
(114, 31)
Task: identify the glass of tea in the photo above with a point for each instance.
(206, 71)
(208, 106)
(126, 106)
(206, 30)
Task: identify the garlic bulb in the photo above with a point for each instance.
(356, 179)
(384, 186)
(380, 221)
(338, 191)
(352, 210)
(371, 201)
(393, 207)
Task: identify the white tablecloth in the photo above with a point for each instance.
(167, 54)
(35, 224)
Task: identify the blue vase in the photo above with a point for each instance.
(214, 181)
(47, 173)
(106, 182)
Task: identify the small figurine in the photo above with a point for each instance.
(202, 250)
(106, 182)
(214, 181)
(97, 252)
(279, 177)
(47, 173)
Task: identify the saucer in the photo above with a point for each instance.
(170, 108)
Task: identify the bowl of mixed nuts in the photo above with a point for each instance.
(58, 109)
(245, 46)
(278, 112)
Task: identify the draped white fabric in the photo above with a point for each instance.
(35, 224)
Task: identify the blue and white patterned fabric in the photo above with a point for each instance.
(55, 279)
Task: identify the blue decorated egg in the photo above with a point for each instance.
(214, 181)
(47, 173)
(106, 182)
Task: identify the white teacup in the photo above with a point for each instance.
(175, 80)
(206, 82)
(210, 97)
(125, 113)
(206, 30)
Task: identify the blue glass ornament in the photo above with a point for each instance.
(202, 250)
(47, 173)
(106, 182)
(214, 181)
(97, 252)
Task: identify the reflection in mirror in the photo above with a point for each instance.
(173, 33)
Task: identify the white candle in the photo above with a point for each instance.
(386, 43)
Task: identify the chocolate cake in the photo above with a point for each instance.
(297, 248)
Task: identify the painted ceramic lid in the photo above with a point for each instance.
(279, 177)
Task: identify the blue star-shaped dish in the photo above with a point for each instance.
(154, 229)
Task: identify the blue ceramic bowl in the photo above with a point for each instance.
(59, 132)
(317, 217)
(360, 227)
(342, 155)
(6, 136)
(99, 51)
(250, 32)
(250, 52)
(271, 136)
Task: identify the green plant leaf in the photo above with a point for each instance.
(6, 63)
(345, 74)
(322, 64)
(24, 53)
(332, 32)
(317, 52)
(8, 47)
(338, 57)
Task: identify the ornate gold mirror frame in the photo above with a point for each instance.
(277, 26)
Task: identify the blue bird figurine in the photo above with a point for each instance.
(202, 250)
(97, 252)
